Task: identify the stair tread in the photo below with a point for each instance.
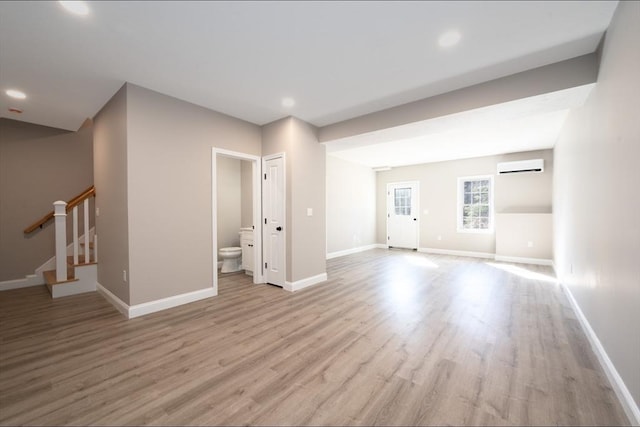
(90, 244)
(50, 277)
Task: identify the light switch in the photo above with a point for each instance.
(309, 212)
(529, 244)
(426, 211)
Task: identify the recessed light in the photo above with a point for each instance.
(450, 38)
(16, 94)
(76, 7)
(288, 102)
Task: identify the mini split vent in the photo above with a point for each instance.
(522, 166)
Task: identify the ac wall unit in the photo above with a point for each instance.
(536, 165)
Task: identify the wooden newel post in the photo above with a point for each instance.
(60, 215)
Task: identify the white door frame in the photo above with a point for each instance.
(417, 213)
(284, 212)
(257, 210)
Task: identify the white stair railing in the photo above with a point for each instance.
(60, 215)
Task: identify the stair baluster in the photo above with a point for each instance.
(60, 215)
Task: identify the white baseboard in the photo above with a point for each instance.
(132, 311)
(353, 250)
(485, 255)
(120, 305)
(170, 302)
(305, 283)
(523, 260)
(28, 281)
(624, 396)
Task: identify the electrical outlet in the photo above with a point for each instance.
(529, 244)
(426, 211)
(97, 211)
(439, 237)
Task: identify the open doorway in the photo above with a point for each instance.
(236, 213)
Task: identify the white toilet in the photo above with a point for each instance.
(230, 259)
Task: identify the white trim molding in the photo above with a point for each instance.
(132, 311)
(523, 260)
(484, 255)
(619, 387)
(305, 283)
(28, 281)
(120, 305)
(354, 250)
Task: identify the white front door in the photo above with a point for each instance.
(274, 220)
(402, 214)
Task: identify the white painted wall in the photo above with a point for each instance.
(351, 205)
(597, 210)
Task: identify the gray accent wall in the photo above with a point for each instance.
(38, 165)
(597, 210)
(521, 193)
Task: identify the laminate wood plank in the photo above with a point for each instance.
(392, 338)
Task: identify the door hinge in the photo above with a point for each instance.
(265, 176)
(388, 238)
(265, 265)
(265, 221)
(388, 215)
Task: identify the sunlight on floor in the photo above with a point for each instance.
(421, 261)
(523, 272)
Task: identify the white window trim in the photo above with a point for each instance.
(460, 190)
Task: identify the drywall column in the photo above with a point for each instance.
(306, 200)
(110, 180)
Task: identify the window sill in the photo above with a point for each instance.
(465, 230)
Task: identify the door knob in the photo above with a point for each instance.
(279, 228)
(415, 219)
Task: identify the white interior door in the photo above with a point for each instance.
(402, 214)
(274, 220)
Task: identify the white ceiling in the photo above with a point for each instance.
(338, 60)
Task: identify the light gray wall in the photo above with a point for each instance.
(305, 188)
(549, 78)
(597, 211)
(351, 205)
(169, 188)
(110, 179)
(229, 201)
(530, 192)
(38, 165)
(308, 187)
(246, 183)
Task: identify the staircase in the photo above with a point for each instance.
(81, 277)
(75, 271)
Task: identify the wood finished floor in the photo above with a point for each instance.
(393, 338)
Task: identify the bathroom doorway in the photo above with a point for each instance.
(236, 213)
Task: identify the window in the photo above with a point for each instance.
(475, 204)
(402, 201)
